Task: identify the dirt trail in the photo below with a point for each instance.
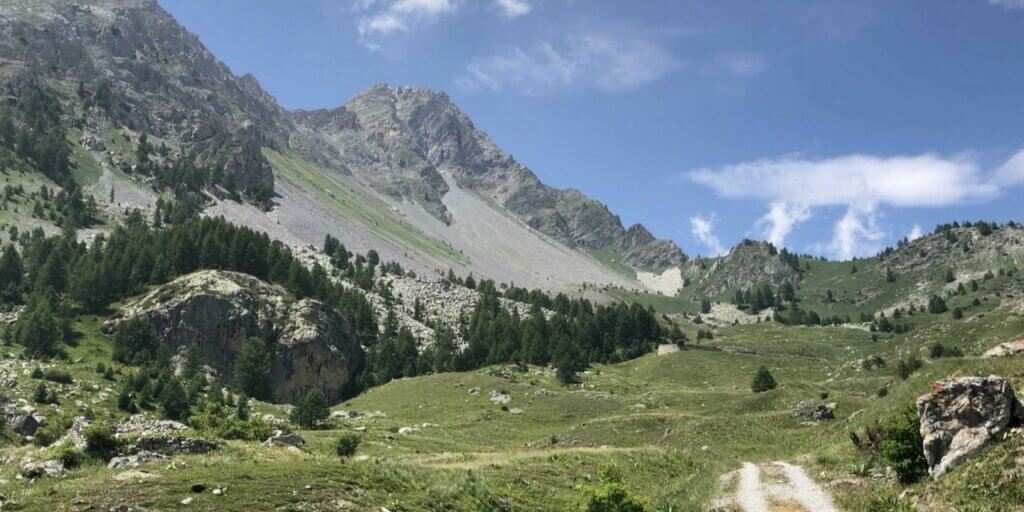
(776, 487)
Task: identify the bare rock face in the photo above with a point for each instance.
(961, 416)
(1010, 348)
(311, 346)
(140, 69)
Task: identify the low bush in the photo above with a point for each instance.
(346, 445)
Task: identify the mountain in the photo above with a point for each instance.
(398, 169)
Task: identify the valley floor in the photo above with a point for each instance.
(509, 439)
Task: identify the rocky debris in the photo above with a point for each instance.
(515, 410)
(667, 348)
(441, 301)
(135, 474)
(474, 391)
(285, 439)
(961, 416)
(175, 444)
(1010, 348)
(50, 468)
(499, 398)
(814, 411)
(26, 424)
(311, 345)
(92, 143)
(138, 424)
(136, 460)
(75, 435)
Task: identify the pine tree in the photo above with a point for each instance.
(135, 341)
(11, 271)
(252, 369)
(7, 131)
(37, 328)
(763, 381)
(173, 400)
(311, 410)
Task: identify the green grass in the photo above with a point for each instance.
(86, 170)
(671, 424)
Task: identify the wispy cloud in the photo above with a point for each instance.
(792, 186)
(513, 8)
(703, 229)
(857, 233)
(924, 180)
(1008, 4)
(915, 232)
(583, 60)
(742, 63)
(780, 220)
(383, 17)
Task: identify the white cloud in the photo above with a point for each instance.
(1011, 173)
(861, 183)
(703, 229)
(743, 63)
(587, 60)
(513, 8)
(915, 232)
(1008, 4)
(780, 220)
(386, 17)
(857, 233)
(924, 180)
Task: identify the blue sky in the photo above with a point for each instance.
(830, 127)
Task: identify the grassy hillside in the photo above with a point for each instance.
(671, 425)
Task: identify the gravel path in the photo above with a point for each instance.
(787, 488)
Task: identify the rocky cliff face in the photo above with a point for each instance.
(402, 139)
(311, 346)
(128, 63)
(750, 263)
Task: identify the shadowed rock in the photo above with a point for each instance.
(961, 416)
(311, 346)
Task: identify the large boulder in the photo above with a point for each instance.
(961, 416)
(311, 346)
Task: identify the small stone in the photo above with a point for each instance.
(187, 501)
(218, 492)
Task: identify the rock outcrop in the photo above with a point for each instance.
(310, 345)
(750, 263)
(1010, 348)
(961, 416)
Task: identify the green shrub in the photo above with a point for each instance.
(609, 495)
(59, 376)
(346, 445)
(100, 441)
(70, 457)
(901, 447)
(51, 431)
(763, 381)
(907, 367)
